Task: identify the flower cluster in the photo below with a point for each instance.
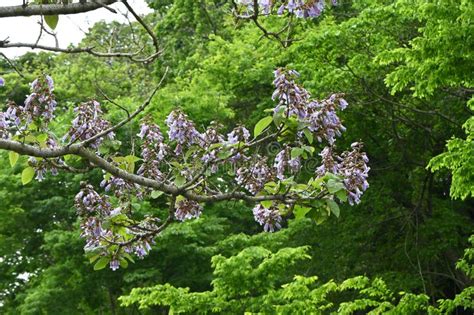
(181, 130)
(92, 207)
(269, 218)
(4, 126)
(41, 166)
(187, 209)
(328, 165)
(153, 150)
(41, 103)
(119, 186)
(88, 123)
(300, 8)
(239, 134)
(283, 160)
(354, 168)
(351, 165)
(38, 107)
(319, 117)
(255, 176)
(322, 119)
(290, 95)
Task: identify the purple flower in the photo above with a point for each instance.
(88, 123)
(269, 218)
(181, 130)
(255, 176)
(187, 209)
(114, 264)
(2, 81)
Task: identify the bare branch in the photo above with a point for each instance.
(48, 9)
(130, 117)
(53, 9)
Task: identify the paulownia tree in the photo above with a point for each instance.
(187, 166)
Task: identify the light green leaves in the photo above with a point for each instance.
(156, 193)
(333, 207)
(101, 263)
(262, 125)
(13, 157)
(27, 175)
(51, 20)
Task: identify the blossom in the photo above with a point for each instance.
(153, 150)
(187, 209)
(351, 165)
(255, 176)
(181, 130)
(269, 218)
(88, 123)
(283, 160)
(320, 117)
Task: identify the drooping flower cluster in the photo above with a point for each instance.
(269, 218)
(153, 150)
(97, 212)
(41, 103)
(187, 209)
(289, 94)
(283, 160)
(300, 8)
(319, 117)
(89, 121)
(322, 119)
(92, 207)
(41, 166)
(351, 165)
(255, 176)
(181, 130)
(209, 138)
(38, 107)
(328, 163)
(4, 126)
(120, 187)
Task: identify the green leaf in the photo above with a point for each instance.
(261, 125)
(156, 193)
(266, 203)
(296, 152)
(309, 135)
(94, 258)
(179, 180)
(334, 186)
(13, 157)
(123, 263)
(342, 195)
(51, 20)
(334, 207)
(27, 175)
(42, 138)
(300, 212)
(101, 263)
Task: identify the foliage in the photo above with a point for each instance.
(459, 159)
(255, 281)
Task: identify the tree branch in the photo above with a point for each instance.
(79, 150)
(53, 9)
(129, 118)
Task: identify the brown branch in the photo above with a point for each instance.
(46, 10)
(171, 189)
(53, 9)
(130, 117)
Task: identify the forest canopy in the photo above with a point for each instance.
(240, 157)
